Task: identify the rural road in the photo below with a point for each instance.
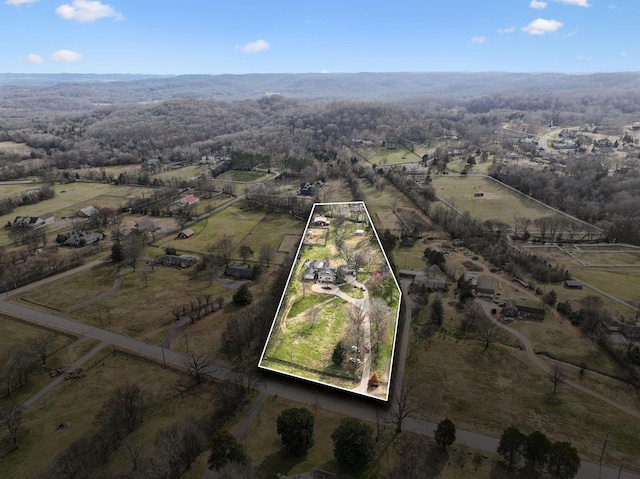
(273, 385)
(541, 364)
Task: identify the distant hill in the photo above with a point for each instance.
(84, 91)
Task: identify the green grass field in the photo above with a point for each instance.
(498, 203)
(184, 173)
(242, 175)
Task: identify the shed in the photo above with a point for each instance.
(573, 284)
(184, 234)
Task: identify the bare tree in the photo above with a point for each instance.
(266, 254)
(133, 247)
(197, 363)
(42, 344)
(558, 375)
(405, 401)
(357, 314)
(13, 422)
(380, 316)
(490, 333)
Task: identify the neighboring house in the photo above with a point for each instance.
(146, 225)
(530, 312)
(87, 212)
(471, 278)
(510, 309)
(320, 221)
(79, 238)
(484, 287)
(573, 284)
(185, 201)
(239, 272)
(184, 234)
(359, 233)
(183, 260)
(33, 221)
(407, 273)
(432, 284)
(309, 189)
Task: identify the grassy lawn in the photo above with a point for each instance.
(242, 175)
(396, 156)
(135, 310)
(184, 173)
(498, 203)
(271, 230)
(232, 220)
(515, 393)
(42, 442)
(268, 457)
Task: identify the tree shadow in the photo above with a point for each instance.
(280, 462)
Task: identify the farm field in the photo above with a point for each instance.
(514, 393)
(13, 147)
(497, 204)
(242, 175)
(183, 173)
(136, 310)
(315, 315)
(43, 442)
(232, 220)
(620, 282)
(395, 156)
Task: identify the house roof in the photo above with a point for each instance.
(187, 232)
(530, 310)
(485, 283)
(88, 211)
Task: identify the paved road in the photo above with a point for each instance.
(273, 385)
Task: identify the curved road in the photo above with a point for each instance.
(542, 365)
(315, 396)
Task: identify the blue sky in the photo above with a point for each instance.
(299, 36)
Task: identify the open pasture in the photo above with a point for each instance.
(497, 203)
(515, 393)
(232, 220)
(78, 401)
(243, 175)
(183, 173)
(391, 156)
(15, 148)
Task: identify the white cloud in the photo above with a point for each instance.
(33, 58)
(65, 56)
(612, 6)
(507, 30)
(579, 3)
(254, 47)
(537, 4)
(478, 40)
(20, 2)
(540, 26)
(87, 11)
(324, 71)
(623, 54)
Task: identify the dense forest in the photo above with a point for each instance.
(68, 122)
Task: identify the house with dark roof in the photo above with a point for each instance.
(513, 310)
(573, 284)
(183, 260)
(320, 221)
(431, 284)
(485, 287)
(240, 272)
(320, 271)
(33, 221)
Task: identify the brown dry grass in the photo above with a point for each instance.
(42, 442)
(502, 389)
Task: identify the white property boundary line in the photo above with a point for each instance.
(293, 267)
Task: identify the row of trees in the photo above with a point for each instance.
(560, 459)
